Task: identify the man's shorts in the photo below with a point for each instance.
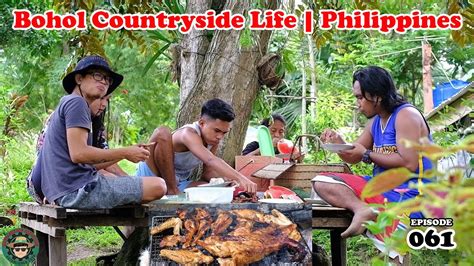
(144, 170)
(357, 183)
(104, 193)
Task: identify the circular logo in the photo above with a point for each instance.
(20, 246)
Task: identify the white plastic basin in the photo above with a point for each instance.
(210, 194)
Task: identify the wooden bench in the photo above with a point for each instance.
(49, 222)
(336, 220)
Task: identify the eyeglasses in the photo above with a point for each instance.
(101, 77)
(20, 249)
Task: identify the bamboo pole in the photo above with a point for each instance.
(312, 91)
(427, 80)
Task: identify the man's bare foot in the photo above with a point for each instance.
(360, 217)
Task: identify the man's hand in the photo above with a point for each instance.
(149, 146)
(247, 184)
(136, 154)
(353, 155)
(331, 136)
(173, 191)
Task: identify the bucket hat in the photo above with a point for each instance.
(20, 241)
(91, 62)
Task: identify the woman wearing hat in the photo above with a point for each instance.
(69, 162)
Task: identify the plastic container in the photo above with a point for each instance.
(210, 194)
(445, 90)
(265, 141)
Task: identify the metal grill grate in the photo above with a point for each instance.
(155, 258)
(283, 257)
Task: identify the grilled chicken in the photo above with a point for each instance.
(186, 257)
(182, 214)
(243, 227)
(226, 262)
(252, 246)
(202, 214)
(191, 229)
(253, 237)
(174, 223)
(242, 250)
(222, 222)
(171, 241)
(204, 226)
(277, 218)
(249, 214)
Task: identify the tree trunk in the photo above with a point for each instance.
(193, 50)
(222, 70)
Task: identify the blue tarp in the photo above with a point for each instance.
(445, 90)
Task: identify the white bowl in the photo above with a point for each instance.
(278, 201)
(210, 194)
(333, 147)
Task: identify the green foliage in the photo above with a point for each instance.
(4, 230)
(14, 168)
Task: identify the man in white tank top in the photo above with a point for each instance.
(177, 154)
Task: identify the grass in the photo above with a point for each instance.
(83, 262)
(360, 250)
(104, 238)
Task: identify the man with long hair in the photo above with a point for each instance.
(391, 120)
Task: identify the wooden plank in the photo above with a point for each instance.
(44, 228)
(272, 171)
(137, 211)
(318, 168)
(57, 251)
(292, 184)
(248, 165)
(83, 212)
(98, 220)
(45, 209)
(338, 248)
(320, 208)
(330, 222)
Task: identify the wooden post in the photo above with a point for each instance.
(43, 256)
(338, 248)
(57, 250)
(427, 80)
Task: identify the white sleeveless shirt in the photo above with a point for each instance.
(186, 162)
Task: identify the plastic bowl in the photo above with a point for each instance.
(210, 194)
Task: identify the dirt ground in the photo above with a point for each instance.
(80, 252)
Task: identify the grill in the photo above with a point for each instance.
(299, 214)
